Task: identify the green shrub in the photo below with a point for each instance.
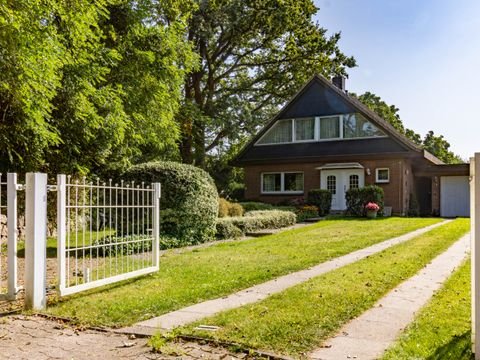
(306, 212)
(358, 198)
(254, 221)
(189, 199)
(227, 208)
(322, 199)
(118, 245)
(235, 209)
(254, 205)
(227, 230)
(414, 206)
(223, 206)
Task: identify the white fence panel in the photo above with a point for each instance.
(8, 238)
(106, 232)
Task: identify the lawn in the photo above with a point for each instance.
(207, 273)
(297, 320)
(442, 330)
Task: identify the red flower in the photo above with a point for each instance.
(371, 206)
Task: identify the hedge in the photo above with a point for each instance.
(189, 199)
(254, 221)
(322, 199)
(358, 198)
(227, 208)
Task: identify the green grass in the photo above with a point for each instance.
(442, 330)
(219, 270)
(88, 236)
(299, 319)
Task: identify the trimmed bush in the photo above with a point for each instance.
(189, 200)
(322, 199)
(306, 212)
(254, 205)
(227, 230)
(226, 208)
(358, 198)
(254, 221)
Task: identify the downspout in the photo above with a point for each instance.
(401, 190)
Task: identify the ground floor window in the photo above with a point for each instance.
(382, 175)
(282, 182)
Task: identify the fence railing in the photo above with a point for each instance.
(106, 232)
(8, 236)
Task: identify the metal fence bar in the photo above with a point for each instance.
(61, 229)
(2, 266)
(12, 187)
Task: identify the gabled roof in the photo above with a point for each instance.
(357, 106)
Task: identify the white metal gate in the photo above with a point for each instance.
(106, 232)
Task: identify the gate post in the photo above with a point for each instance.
(156, 223)
(12, 188)
(61, 230)
(36, 241)
(475, 250)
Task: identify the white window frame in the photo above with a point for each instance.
(382, 181)
(282, 183)
(316, 138)
(294, 130)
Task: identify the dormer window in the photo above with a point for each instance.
(320, 128)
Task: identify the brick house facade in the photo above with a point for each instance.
(323, 138)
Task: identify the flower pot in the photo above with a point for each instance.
(371, 214)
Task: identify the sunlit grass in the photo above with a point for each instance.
(219, 270)
(299, 319)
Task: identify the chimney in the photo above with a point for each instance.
(339, 82)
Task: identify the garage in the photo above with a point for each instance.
(454, 196)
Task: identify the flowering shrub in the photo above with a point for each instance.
(306, 212)
(371, 206)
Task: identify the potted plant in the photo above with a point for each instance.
(372, 209)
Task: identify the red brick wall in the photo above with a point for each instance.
(396, 191)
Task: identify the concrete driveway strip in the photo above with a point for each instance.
(369, 335)
(259, 292)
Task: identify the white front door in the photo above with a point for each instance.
(338, 182)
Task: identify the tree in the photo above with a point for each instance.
(436, 145)
(439, 147)
(90, 86)
(254, 55)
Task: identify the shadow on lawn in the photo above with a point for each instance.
(459, 348)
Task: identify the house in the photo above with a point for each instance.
(323, 138)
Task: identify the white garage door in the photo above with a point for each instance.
(454, 196)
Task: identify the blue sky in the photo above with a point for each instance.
(421, 55)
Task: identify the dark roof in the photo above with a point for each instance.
(345, 104)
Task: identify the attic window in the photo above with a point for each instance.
(279, 133)
(320, 128)
(356, 126)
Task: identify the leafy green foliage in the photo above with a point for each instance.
(305, 212)
(436, 145)
(320, 198)
(189, 199)
(90, 86)
(226, 208)
(254, 56)
(358, 198)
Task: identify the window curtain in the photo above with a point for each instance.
(329, 128)
(281, 132)
(305, 129)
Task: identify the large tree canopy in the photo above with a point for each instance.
(254, 54)
(90, 86)
(437, 145)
